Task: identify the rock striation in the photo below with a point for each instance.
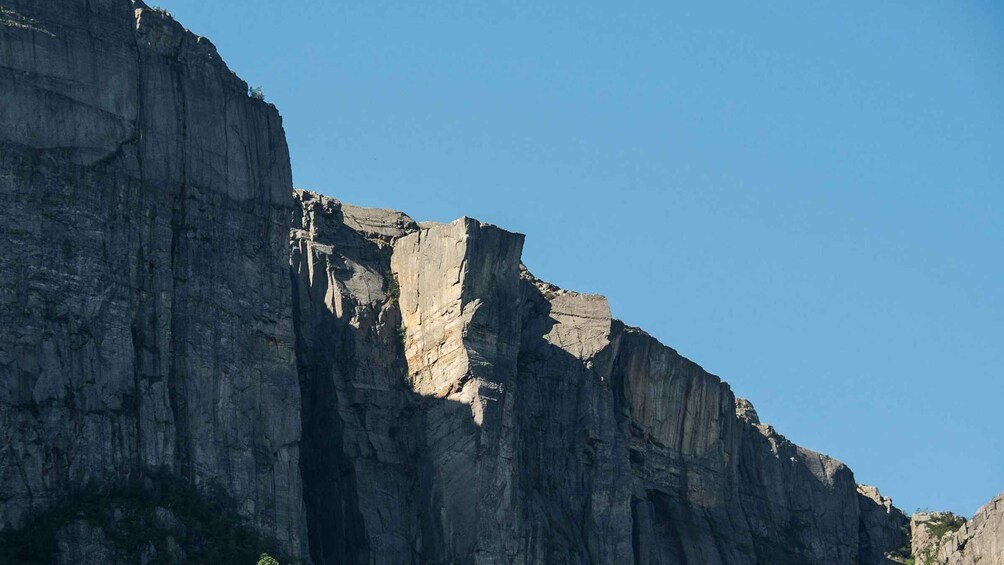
(197, 367)
(144, 287)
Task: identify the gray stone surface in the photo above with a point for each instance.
(359, 445)
(979, 540)
(377, 223)
(535, 428)
(884, 528)
(144, 287)
(83, 543)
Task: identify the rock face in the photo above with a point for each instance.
(189, 357)
(941, 538)
(359, 452)
(144, 287)
(477, 414)
(883, 526)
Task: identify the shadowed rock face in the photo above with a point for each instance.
(358, 442)
(146, 306)
(882, 526)
(357, 386)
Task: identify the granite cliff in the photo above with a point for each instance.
(479, 415)
(146, 304)
(198, 363)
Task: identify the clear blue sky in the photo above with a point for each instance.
(804, 197)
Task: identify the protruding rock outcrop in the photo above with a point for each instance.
(942, 538)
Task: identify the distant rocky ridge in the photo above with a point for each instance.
(941, 538)
(196, 367)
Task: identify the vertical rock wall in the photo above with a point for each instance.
(459, 294)
(529, 426)
(359, 450)
(146, 305)
(980, 539)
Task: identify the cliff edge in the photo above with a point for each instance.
(147, 340)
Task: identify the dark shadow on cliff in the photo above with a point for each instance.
(325, 358)
(155, 518)
(355, 414)
(367, 473)
(558, 472)
(572, 456)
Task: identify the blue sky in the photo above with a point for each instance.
(806, 198)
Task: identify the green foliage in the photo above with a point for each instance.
(787, 549)
(256, 92)
(204, 523)
(267, 559)
(392, 288)
(905, 553)
(944, 524)
(939, 526)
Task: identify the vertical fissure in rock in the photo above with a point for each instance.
(325, 360)
(177, 384)
(145, 285)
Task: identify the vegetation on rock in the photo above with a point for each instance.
(153, 520)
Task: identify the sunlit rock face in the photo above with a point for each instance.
(942, 538)
(459, 294)
(355, 386)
